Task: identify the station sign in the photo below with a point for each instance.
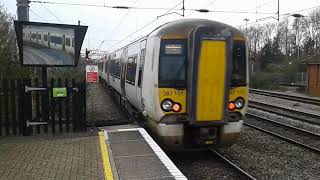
(59, 92)
(92, 73)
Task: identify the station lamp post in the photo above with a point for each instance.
(298, 40)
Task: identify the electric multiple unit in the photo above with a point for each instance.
(188, 79)
(49, 38)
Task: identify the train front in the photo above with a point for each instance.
(203, 85)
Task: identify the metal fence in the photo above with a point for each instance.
(28, 108)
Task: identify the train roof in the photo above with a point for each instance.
(34, 28)
(183, 27)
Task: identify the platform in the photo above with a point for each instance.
(132, 154)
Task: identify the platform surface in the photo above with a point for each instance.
(134, 154)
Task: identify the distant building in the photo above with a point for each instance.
(313, 71)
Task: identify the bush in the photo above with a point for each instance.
(264, 80)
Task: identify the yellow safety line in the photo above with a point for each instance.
(105, 157)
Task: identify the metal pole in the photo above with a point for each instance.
(298, 43)
(23, 15)
(23, 10)
(278, 10)
(183, 8)
(246, 19)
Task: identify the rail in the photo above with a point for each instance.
(286, 112)
(303, 99)
(282, 137)
(239, 169)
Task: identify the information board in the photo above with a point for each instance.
(47, 44)
(92, 73)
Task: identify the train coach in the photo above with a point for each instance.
(187, 79)
(51, 38)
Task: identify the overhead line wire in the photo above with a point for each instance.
(210, 3)
(146, 25)
(284, 14)
(264, 4)
(122, 18)
(38, 15)
(103, 6)
(118, 25)
(51, 12)
(146, 8)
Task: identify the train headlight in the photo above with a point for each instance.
(167, 105)
(239, 103)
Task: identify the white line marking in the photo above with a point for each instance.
(175, 172)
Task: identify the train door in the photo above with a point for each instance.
(123, 70)
(108, 69)
(209, 74)
(140, 72)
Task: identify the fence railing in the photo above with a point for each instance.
(26, 107)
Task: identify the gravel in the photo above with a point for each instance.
(101, 109)
(286, 103)
(266, 157)
(203, 165)
(304, 138)
(261, 155)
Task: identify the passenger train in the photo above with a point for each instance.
(188, 80)
(51, 38)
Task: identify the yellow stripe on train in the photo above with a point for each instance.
(211, 81)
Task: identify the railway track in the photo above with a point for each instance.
(291, 134)
(286, 112)
(307, 100)
(239, 169)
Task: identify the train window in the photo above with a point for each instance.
(45, 37)
(33, 36)
(56, 40)
(117, 68)
(110, 67)
(106, 66)
(172, 64)
(72, 42)
(39, 36)
(239, 68)
(141, 65)
(131, 70)
(67, 41)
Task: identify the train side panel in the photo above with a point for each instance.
(150, 77)
(131, 73)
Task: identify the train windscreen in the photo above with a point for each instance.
(172, 64)
(239, 66)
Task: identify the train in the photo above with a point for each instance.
(52, 38)
(187, 80)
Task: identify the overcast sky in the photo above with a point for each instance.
(113, 25)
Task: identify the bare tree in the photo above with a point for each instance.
(8, 48)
